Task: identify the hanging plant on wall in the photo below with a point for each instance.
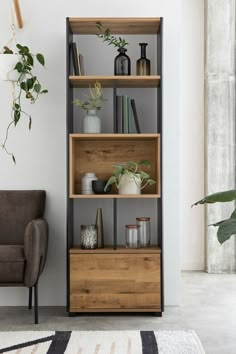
(18, 67)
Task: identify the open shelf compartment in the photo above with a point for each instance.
(99, 152)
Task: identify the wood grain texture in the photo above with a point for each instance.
(122, 25)
(117, 81)
(98, 153)
(121, 281)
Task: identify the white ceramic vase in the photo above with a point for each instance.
(91, 122)
(7, 65)
(129, 185)
(86, 183)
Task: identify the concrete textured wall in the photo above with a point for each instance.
(220, 126)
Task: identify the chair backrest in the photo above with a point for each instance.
(17, 209)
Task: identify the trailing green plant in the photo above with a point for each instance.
(106, 36)
(94, 100)
(227, 227)
(133, 170)
(28, 85)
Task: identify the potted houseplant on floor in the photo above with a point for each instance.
(122, 64)
(93, 103)
(227, 227)
(18, 67)
(129, 178)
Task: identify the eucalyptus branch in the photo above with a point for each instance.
(110, 39)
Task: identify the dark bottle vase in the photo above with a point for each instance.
(99, 224)
(143, 64)
(122, 64)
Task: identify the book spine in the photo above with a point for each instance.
(136, 121)
(125, 115)
(119, 114)
(75, 59)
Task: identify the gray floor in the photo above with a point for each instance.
(209, 307)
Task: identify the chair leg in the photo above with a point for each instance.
(30, 298)
(36, 321)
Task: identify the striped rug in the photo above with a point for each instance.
(101, 342)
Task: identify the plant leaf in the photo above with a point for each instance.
(44, 91)
(226, 230)
(30, 123)
(40, 59)
(221, 197)
(7, 50)
(145, 163)
(13, 158)
(111, 180)
(37, 88)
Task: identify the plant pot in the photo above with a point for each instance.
(91, 122)
(129, 185)
(7, 65)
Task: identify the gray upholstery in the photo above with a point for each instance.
(23, 237)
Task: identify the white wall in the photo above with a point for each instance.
(41, 153)
(192, 134)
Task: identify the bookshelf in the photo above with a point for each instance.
(113, 279)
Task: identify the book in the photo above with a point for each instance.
(119, 115)
(135, 115)
(75, 58)
(131, 122)
(81, 64)
(125, 114)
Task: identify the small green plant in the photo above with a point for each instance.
(106, 36)
(227, 227)
(133, 170)
(94, 100)
(27, 83)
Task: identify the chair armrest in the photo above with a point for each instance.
(35, 247)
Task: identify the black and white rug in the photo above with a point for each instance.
(101, 342)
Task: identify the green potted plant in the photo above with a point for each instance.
(19, 67)
(129, 178)
(92, 103)
(122, 65)
(227, 227)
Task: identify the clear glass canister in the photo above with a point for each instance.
(144, 232)
(132, 236)
(88, 237)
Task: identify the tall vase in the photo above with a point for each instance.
(92, 122)
(122, 64)
(143, 64)
(99, 224)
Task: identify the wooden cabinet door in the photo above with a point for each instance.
(119, 282)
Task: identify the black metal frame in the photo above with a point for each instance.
(70, 204)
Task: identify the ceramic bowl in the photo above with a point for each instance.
(99, 185)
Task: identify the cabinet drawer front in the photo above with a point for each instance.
(122, 281)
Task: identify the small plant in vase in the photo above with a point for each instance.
(18, 67)
(122, 64)
(129, 178)
(93, 103)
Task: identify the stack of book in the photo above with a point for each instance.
(78, 60)
(126, 115)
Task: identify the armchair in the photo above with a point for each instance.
(23, 240)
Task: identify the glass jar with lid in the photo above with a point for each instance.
(88, 237)
(144, 231)
(132, 236)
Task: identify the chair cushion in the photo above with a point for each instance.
(17, 209)
(12, 264)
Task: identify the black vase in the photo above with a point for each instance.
(143, 64)
(122, 63)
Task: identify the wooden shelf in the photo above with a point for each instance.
(115, 196)
(122, 25)
(116, 81)
(98, 153)
(122, 250)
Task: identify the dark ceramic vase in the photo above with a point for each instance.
(122, 64)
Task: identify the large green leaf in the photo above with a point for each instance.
(221, 197)
(226, 230)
